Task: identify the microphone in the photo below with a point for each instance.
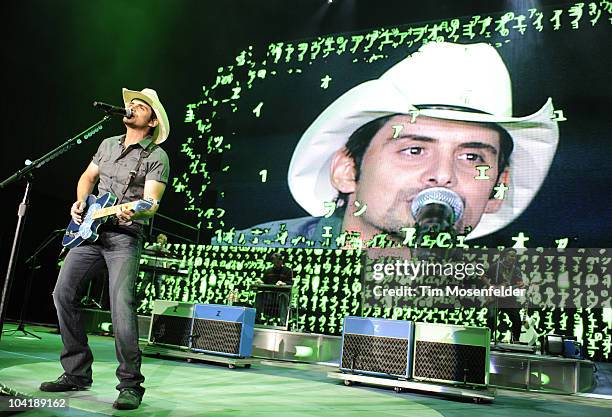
(436, 210)
(114, 110)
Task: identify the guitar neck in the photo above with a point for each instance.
(112, 210)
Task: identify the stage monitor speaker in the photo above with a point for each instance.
(377, 346)
(451, 354)
(225, 330)
(171, 323)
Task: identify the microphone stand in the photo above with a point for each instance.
(27, 174)
(32, 261)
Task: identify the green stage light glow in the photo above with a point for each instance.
(303, 352)
(543, 378)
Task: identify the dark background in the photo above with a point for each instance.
(60, 56)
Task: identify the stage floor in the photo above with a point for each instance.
(269, 388)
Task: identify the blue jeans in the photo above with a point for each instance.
(121, 253)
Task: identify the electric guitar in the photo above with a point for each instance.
(96, 212)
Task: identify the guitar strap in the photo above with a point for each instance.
(143, 155)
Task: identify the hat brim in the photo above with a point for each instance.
(535, 140)
(161, 132)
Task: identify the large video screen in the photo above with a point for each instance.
(313, 146)
(297, 143)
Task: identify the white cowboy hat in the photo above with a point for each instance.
(149, 96)
(444, 74)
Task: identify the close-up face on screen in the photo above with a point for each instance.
(385, 171)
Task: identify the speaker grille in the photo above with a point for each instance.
(450, 362)
(171, 330)
(217, 336)
(385, 355)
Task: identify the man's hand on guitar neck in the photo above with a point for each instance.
(125, 216)
(76, 211)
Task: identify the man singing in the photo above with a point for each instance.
(131, 166)
(428, 122)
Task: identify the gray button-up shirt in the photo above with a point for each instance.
(115, 163)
